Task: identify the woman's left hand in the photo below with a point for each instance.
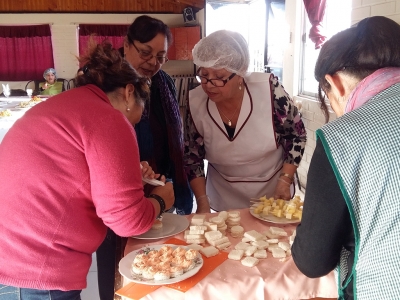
(147, 171)
(282, 190)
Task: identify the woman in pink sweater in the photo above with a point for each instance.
(67, 173)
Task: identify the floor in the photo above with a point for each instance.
(92, 293)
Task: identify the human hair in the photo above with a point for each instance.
(145, 28)
(104, 67)
(358, 51)
(223, 49)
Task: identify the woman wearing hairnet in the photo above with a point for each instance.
(50, 86)
(244, 124)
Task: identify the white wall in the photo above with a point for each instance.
(65, 36)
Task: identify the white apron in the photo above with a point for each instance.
(248, 165)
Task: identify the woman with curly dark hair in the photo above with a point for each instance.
(70, 169)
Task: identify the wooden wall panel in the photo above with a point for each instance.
(98, 6)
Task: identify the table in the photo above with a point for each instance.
(11, 103)
(271, 279)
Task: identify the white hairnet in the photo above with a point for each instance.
(223, 49)
(49, 70)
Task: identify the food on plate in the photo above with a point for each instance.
(176, 271)
(249, 261)
(149, 272)
(191, 254)
(5, 113)
(209, 251)
(164, 263)
(236, 254)
(292, 209)
(157, 224)
(162, 275)
(24, 104)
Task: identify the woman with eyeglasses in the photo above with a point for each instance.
(159, 132)
(244, 124)
(351, 210)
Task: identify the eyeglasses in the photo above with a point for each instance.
(215, 82)
(146, 55)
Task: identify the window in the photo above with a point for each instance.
(337, 18)
(247, 18)
(26, 51)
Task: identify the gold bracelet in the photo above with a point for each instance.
(287, 175)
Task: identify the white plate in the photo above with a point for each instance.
(153, 181)
(125, 263)
(273, 219)
(172, 224)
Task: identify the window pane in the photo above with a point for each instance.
(337, 18)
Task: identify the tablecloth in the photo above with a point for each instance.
(271, 279)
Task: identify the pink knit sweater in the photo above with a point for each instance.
(68, 168)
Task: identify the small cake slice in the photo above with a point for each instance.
(260, 254)
(198, 219)
(253, 235)
(250, 250)
(285, 246)
(278, 252)
(242, 246)
(278, 231)
(249, 261)
(209, 251)
(236, 254)
(213, 235)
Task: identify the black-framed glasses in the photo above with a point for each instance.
(214, 81)
(146, 55)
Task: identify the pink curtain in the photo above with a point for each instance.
(25, 52)
(316, 10)
(115, 34)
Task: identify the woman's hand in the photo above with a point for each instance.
(166, 192)
(282, 189)
(147, 171)
(203, 205)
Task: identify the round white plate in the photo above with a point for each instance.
(125, 263)
(273, 219)
(172, 224)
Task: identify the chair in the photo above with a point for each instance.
(34, 85)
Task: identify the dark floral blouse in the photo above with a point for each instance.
(289, 128)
